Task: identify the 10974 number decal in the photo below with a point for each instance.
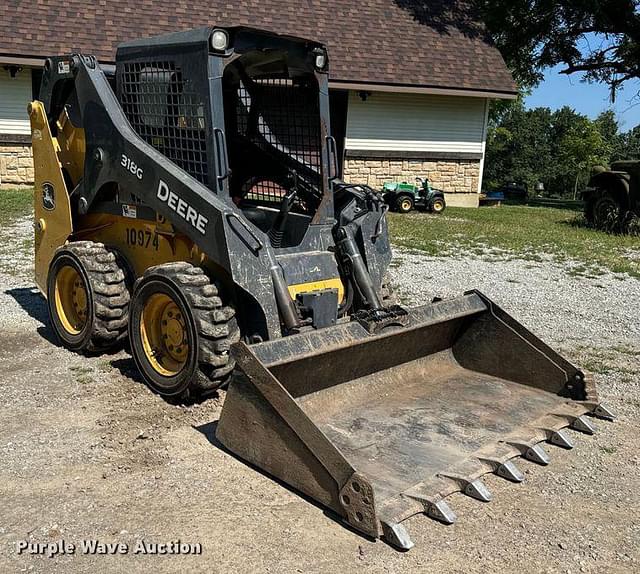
(142, 238)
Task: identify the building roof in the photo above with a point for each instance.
(411, 43)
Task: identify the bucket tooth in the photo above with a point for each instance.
(537, 454)
(478, 490)
(510, 471)
(442, 512)
(602, 412)
(397, 535)
(582, 424)
(559, 438)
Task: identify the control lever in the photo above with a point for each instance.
(276, 232)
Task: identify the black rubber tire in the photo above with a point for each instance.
(438, 205)
(608, 214)
(402, 202)
(211, 329)
(107, 297)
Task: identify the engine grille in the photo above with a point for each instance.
(166, 112)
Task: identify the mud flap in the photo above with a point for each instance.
(381, 427)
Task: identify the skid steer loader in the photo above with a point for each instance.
(188, 198)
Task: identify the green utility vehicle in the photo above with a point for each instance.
(404, 197)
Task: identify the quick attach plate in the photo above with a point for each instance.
(375, 320)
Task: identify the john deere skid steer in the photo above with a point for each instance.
(188, 198)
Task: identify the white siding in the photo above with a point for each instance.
(484, 145)
(15, 95)
(415, 122)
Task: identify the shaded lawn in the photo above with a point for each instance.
(508, 232)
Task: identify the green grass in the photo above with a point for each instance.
(615, 360)
(15, 203)
(508, 232)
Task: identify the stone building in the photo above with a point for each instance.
(410, 81)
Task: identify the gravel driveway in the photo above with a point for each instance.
(87, 452)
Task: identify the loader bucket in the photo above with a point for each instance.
(380, 427)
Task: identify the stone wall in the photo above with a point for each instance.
(16, 165)
(460, 179)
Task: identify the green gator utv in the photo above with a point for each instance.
(612, 199)
(404, 197)
(188, 199)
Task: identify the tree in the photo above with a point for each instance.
(629, 145)
(555, 148)
(519, 147)
(608, 126)
(599, 38)
(579, 146)
(619, 144)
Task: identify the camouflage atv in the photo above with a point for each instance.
(404, 197)
(612, 198)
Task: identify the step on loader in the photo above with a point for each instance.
(188, 198)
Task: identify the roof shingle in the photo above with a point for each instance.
(403, 42)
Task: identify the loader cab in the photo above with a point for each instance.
(242, 111)
(274, 137)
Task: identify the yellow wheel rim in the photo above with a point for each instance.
(406, 205)
(438, 206)
(164, 335)
(71, 300)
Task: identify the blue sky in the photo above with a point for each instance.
(558, 90)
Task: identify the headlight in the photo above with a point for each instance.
(219, 40)
(321, 59)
